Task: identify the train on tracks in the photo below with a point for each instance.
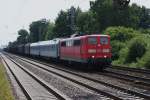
(94, 51)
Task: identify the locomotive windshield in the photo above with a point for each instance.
(92, 40)
(104, 40)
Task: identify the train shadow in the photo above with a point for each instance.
(78, 67)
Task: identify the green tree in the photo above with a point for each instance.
(103, 10)
(108, 14)
(23, 36)
(63, 23)
(38, 30)
(61, 28)
(144, 18)
(134, 16)
(86, 22)
(50, 34)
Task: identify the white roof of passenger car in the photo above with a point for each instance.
(34, 44)
(40, 43)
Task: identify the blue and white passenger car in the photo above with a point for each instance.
(35, 49)
(49, 49)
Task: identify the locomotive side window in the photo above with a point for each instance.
(63, 44)
(104, 40)
(77, 42)
(92, 40)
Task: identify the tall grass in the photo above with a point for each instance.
(5, 89)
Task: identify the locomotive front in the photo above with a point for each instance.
(98, 50)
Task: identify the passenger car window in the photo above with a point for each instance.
(63, 44)
(77, 42)
(92, 40)
(104, 40)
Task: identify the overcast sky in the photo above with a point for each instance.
(17, 14)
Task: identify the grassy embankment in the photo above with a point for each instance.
(5, 89)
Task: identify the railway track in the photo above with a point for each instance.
(143, 71)
(131, 78)
(26, 95)
(43, 91)
(66, 98)
(82, 84)
(140, 82)
(142, 75)
(90, 79)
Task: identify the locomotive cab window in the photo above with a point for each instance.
(92, 40)
(104, 40)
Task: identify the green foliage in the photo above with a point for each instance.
(103, 11)
(121, 34)
(50, 34)
(135, 53)
(38, 30)
(145, 60)
(61, 28)
(86, 22)
(5, 89)
(129, 46)
(145, 31)
(116, 47)
(63, 23)
(23, 36)
(144, 18)
(107, 14)
(137, 48)
(134, 16)
(122, 55)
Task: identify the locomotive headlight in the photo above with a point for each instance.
(105, 56)
(91, 50)
(93, 56)
(106, 50)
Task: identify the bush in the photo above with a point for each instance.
(121, 34)
(137, 48)
(145, 60)
(130, 47)
(122, 55)
(116, 47)
(145, 31)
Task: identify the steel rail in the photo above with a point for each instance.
(94, 80)
(144, 71)
(137, 80)
(17, 80)
(49, 88)
(80, 83)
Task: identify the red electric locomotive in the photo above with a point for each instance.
(92, 50)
